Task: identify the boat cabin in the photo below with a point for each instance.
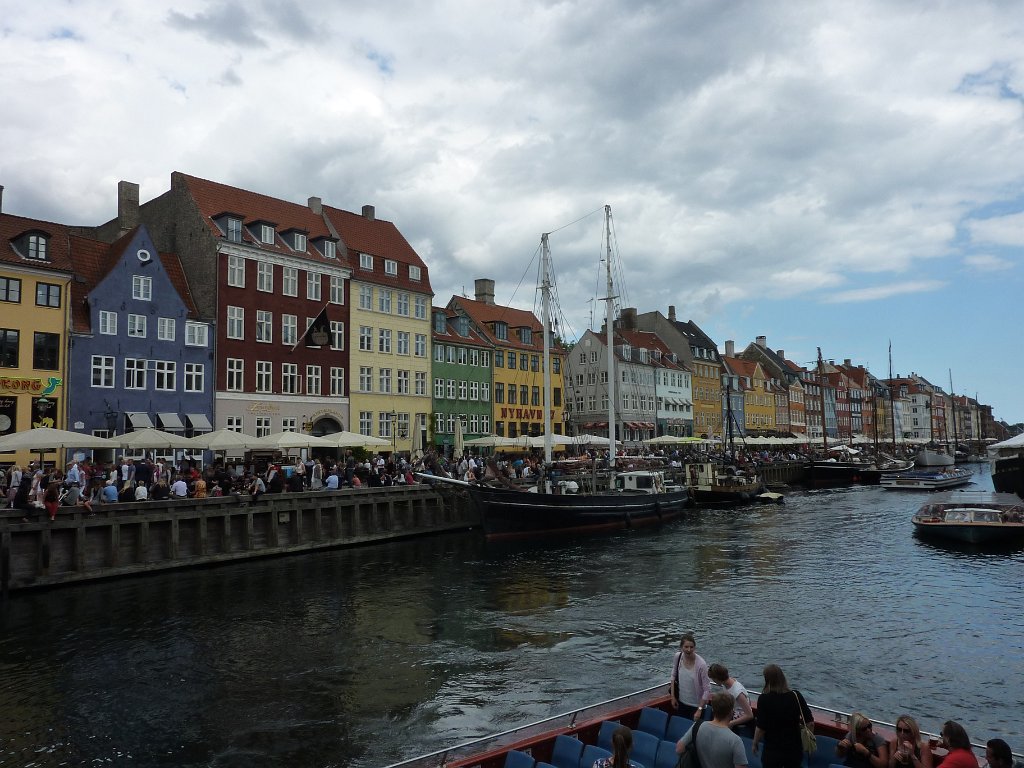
(640, 481)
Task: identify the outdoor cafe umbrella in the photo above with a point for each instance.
(46, 438)
(285, 441)
(153, 438)
(222, 440)
(346, 439)
(492, 441)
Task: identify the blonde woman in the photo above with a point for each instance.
(862, 747)
(906, 748)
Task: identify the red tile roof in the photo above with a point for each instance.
(451, 337)
(650, 341)
(485, 315)
(57, 251)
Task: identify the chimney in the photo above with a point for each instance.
(127, 205)
(781, 353)
(848, 363)
(627, 318)
(730, 349)
(762, 342)
(369, 212)
(672, 312)
(316, 205)
(484, 290)
(1, 198)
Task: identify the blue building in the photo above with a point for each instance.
(139, 355)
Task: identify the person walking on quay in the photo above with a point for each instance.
(690, 687)
(716, 744)
(781, 712)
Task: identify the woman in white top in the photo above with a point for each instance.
(743, 715)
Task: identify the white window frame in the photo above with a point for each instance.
(420, 384)
(289, 281)
(314, 285)
(366, 297)
(337, 381)
(390, 267)
(414, 273)
(108, 322)
(196, 334)
(103, 369)
(136, 326)
(384, 380)
(314, 378)
(289, 329)
(365, 378)
(365, 338)
(337, 334)
(402, 383)
(420, 308)
(266, 234)
(134, 373)
(265, 277)
(337, 295)
(234, 374)
(194, 378)
(402, 343)
(365, 261)
(165, 375)
(235, 322)
(236, 271)
(420, 345)
(384, 341)
(384, 297)
(264, 376)
(264, 326)
(165, 328)
(142, 288)
(289, 379)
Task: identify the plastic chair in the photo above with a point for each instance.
(653, 721)
(604, 734)
(645, 749)
(518, 759)
(566, 752)
(677, 727)
(666, 757)
(592, 753)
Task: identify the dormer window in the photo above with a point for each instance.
(390, 267)
(501, 331)
(672, 357)
(365, 261)
(439, 322)
(627, 352)
(643, 355)
(462, 326)
(526, 335)
(414, 273)
(267, 234)
(37, 247)
(330, 249)
(657, 354)
(234, 230)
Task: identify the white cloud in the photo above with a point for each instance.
(1003, 230)
(988, 263)
(879, 292)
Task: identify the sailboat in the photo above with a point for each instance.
(635, 498)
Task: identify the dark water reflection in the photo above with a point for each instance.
(362, 657)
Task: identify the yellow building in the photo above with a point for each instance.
(389, 330)
(35, 281)
(518, 372)
(758, 397)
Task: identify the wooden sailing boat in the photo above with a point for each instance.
(635, 498)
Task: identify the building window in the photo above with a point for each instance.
(501, 331)
(196, 334)
(384, 341)
(421, 383)
(264, 376)
(265, 277)
(439, 422)
(337, 334)
(438, 389)
(289, 281)
(235, 368)
(313, 379)
(165, 328)
(337, 289)
(365, 297)
(236, 271)
(47, 295)
(266, 234)
(289, 378)
(526, 335)
(385, 380)
(314, 280)
(390, 267)
(384, 301)
(365, 422)
(330, 249)
(365, 261)
(134, 373)
(384, 424)
(289, 424)
(103, 371)
(474, 390)
(451, 389)
(463, 356)
(10, 290)
(421, 308)
(37, 247)
(524, 393)
(365, 378)
(403, 343)
(236, 323)
(534, 363)
(262, 426)
(439, 353)
(414, 273)
(535, 396)
(403, 383)
(463, 390)
(420, 348)
(165, 375)
(499, 392)
(195, 377)
(234, 423)
(365, 338)
(337, 381)
(142, 288)
(300, 242)
(289, 329)
(264, 326)
(137, 326)
(485, 391)
(108, 323)
(512, 360)
(234, 230)
(524, 361)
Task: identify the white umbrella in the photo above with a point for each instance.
(492, 441)
(222, 440)
(153, 438)
(345, 439)
(283, 441)
(586, 439)
(47, 438)
(460, 438)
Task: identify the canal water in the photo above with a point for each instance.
(366, 656)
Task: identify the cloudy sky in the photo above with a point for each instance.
(827, 174)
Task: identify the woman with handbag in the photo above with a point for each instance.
(690, 687)
(862, 747)
(782, 716)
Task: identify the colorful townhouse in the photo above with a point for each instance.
(707, 378)
(389, 336)
(517, 340)
(35, 298)
(140, 355)
(758, 399)
(785, 386)
(271, 279)
(461, 374)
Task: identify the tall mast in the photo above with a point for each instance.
(821, 385)
(892, 401)
(952, 402)
(609, 318)
(545, 294)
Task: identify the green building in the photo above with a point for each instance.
(462, 378)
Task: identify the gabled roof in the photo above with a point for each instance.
(94, 260)
(214, 199)
(451, 336)
(650, 341)
(740, 367)
(381, 239)
(57, 252)
(696, 336)
(484, 315)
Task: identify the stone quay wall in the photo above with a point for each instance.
(142, 537)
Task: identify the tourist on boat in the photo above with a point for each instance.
(862, 747)
(955, 739)
(998, 754)
(717, 745)
(780, 712)
(690, 686)
(907, 749)
(622, 743)
(743, 716)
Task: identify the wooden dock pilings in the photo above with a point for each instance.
(142, 537)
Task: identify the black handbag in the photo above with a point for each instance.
(689, 758)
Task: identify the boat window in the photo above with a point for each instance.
(986, 516)
(620, 483)
(644, 481)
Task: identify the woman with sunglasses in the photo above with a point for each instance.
(906, 749)
(862, 747)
